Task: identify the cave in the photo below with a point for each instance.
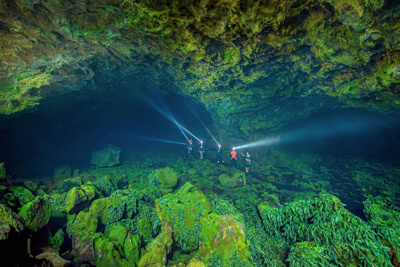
(200, 133)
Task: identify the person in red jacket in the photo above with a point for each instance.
(234, 157)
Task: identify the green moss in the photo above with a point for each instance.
(22, 194)
(57, 240)
(36, 213)
(181, 213)
(7, 216)
(157, 251)
(225, 236)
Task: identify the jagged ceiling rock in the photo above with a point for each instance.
(268, 58)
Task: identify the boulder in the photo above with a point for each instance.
(157, 251)
(126, 241)
(224, 237)
(36, 213)
(164, 179)
(106, 185)
(22, 194)
(9, 222)
(181, 213)
(80, 197)
(62, 172)
(107, 157)
(57, 240)
(31, 185)
(238, 178)
(69, 183)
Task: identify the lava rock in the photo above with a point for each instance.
(223, 235)
(232, 181)
(36, 213)
(181, 213)
(157, 251)
(107, 157)
(68, 184)
(164, 179)
(9, 221)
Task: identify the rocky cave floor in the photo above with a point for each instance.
(166, 209)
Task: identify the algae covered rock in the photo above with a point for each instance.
(68, 184)
(36, 213)
(164, 179)
(107, 157)
(107, 184)
(126, 241)
(57, 240)
(79, 197)
(157, 251)
(238, 178)
(181, 213)
(223, 237)
(9, 221)
(22, 194)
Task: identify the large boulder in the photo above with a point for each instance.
(223, 237)
(157, 251)
(107, 157)
(36, 213)
(164, 179)
(238, 178)
(181, 213)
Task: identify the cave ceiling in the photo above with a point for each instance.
(255, 65)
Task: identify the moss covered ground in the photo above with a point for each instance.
(296, 210)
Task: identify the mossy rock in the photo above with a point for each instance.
(80, 197)
(107, 184)
(36, 213)
(67, 184)
(107, 157)
(57, 240)
(231, 181)
(145, 228)
(31, 185)
(106, 254)
(164, 179)
(126, 241)
(157, 251)
(9, 219)
(181, 213)
(224, 237)
(22, 194)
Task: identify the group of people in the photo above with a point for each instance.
(233, 155)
